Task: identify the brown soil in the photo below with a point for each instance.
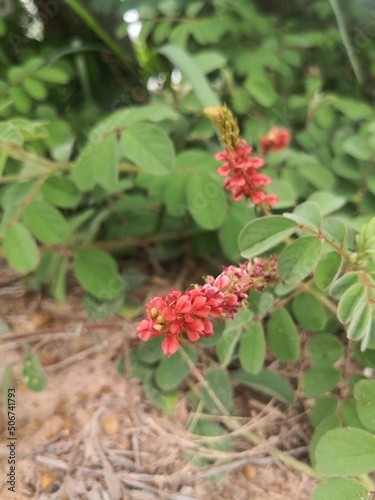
(92, 434)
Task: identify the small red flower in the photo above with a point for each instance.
(276, 140)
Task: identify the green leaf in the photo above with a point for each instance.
(350, 415)
(106, 162)
(298, 259)
(323, 408)
(357, 147)
(350, 301)
(208, 61)
(317, 175)
(339, 287)
(190, 69)
(10, 133)
(33, 374)
(285, 194)
(211, 429)
(20, 100)
(127, 117)
(165, 401)
(97, 272)
(340, 489)
(364, 395)
(61, 191)
(319, 380)
(327, 202)
(20, 248)
(268, 382)
(52, 75)
(353, 109)
(368, 340)
(283, 336)
(206, 201)
(361, 322)
(172, 371)
(46, 223)
(329, 423)
(58, 278)
(307, 214)
(262, 234)
(328, 269)
(261, 89)
(239, 214)
(35, 89)
(150, 352)
(334, 229)
(97, 163)
(309, 312)
(365, 358)
(148, 147)
(345, 452)
(231, 336)
(218, 380)
(253, 348)
(325, 348)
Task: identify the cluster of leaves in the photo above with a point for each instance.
(79, 183)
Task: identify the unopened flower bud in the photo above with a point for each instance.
(158, 328)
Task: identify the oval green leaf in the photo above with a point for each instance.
(309, 312)
(283, 336)
(206, 201)
(340, 488)
(298, 259)
(20, 248)
(149, 148)
(319, 380)
(46, 223)
(268, 382)
(33, 374)
(219, 383)
(172, 371)
(61, 191)
(262, 234)
(97, 272)
(325, 348)
(351, 300)
(328, 269)
(364, 395)
(361, 323)
(345, 452)
(253, 348)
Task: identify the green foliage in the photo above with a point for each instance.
(110, 164)
(337, 452)
(33, 374)
(339, 489)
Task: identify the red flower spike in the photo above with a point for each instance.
(241, 175)
(174, 313)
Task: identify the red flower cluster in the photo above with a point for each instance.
(242, 176)
(276, 140)
(175, 312)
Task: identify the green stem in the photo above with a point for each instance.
(346, 41)
(95, 26)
